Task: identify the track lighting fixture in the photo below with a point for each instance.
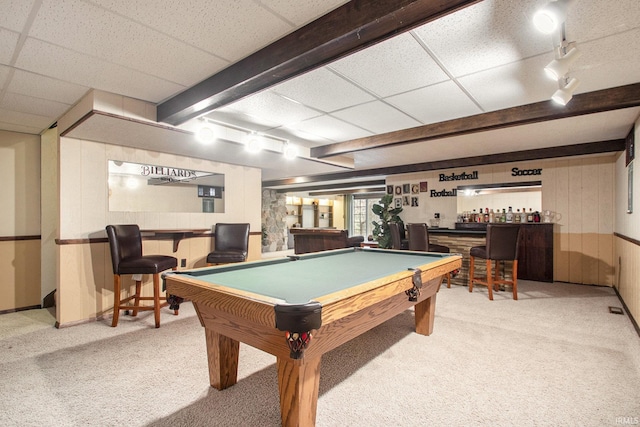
(254, 143)
(290, 151)
(550, 17)
(559, 67)
(563, 95)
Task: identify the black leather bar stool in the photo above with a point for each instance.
(398, 240)
(231, 243)
(419, 241)
(125, 242)
(501, 245)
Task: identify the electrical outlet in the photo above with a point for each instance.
(183, 262)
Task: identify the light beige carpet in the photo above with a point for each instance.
(556, 357)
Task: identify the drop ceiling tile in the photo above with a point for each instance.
(115, 39)
(230, 29)
(267, 105)
(323, 90)
(35, 106)
(397, 65)
(331, 128)
(588, 20)
(301, 12)
(24, 119)
(14, 13)
(4, 73)
(513, 84)
(27, 83)
(8, 41)
(505, 35)
(67, 65)
(608, 62)
(233, 117)
(377, 117)
(437, 103)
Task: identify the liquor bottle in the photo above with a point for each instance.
(523, 215)
(492, 216)
(510, 215)
(486, 214)
(474, 216)
(503, 217)
(516, 216)
(530, 216)
(536, 216)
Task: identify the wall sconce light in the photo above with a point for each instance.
(563, 95)
(289, 151)
(253, 143)
(557, 68)
(551, 16)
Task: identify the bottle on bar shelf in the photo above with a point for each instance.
(536, 216)
(510, 215)
(503, 217)
(492, 216)
(486, 214)
(523, 215)
(516, 216)
(530, 215)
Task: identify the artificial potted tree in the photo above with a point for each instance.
(387, 214)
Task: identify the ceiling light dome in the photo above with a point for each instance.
(551, 16)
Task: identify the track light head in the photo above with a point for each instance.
(253, 143)
(551, 16)
(563, 96)
(290, 151)
(205, 134)
(559, 67)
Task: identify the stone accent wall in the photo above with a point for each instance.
(274, 213)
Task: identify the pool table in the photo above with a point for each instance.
(300, 307)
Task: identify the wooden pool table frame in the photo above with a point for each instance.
(230, 316)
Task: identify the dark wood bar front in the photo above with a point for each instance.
(535, 253)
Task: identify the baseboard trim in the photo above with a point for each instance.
(626, 309)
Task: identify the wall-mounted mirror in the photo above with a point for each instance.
(518, 195)
(138, 187)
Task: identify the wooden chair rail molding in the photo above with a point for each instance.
(14, 238)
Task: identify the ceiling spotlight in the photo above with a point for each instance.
(551, 16)
(254, 143)
(205, 134)
(559, 67)
(563, 96)
(290, 151)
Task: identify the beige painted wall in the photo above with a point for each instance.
(19, 216)
(580, 191)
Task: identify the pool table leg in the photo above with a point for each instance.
(222, 353)
(425, 312)
(298, 382)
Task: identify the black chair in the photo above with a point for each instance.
(231, 243)
(125, 242)
(398, 240)
(501, 245)
(419, 241)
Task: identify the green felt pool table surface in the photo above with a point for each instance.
(303, 278)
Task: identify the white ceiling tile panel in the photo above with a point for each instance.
(513, 84)
(8, 42)
(302, 12)
(393, 66)
(35, 106)
(272, 107)
(14, 13)
(26, 83)
(66, 65)
(444, 101)
(376, 117)
(4, 72)
(608, 62)
(323, 90)
(91, 30)
(589, 20)
(505, 34)
(331, 129)
(230, 29)
(23, 127)
(229, 116)
(26, 119)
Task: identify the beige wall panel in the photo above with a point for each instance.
(607, 270)
(560, 257)
(574, 219)
(606, 198)
(77, 294)
(590, 195)
(591, 264)
(576, 258)
(20, 266)
(628, 274)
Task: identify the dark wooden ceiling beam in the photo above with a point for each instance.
(610, 146)
(345, 30)
(586, 103)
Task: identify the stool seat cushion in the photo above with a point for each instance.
(478, 252)
(147, 264)
(354, 241)
(438, 248)
(223, 257)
